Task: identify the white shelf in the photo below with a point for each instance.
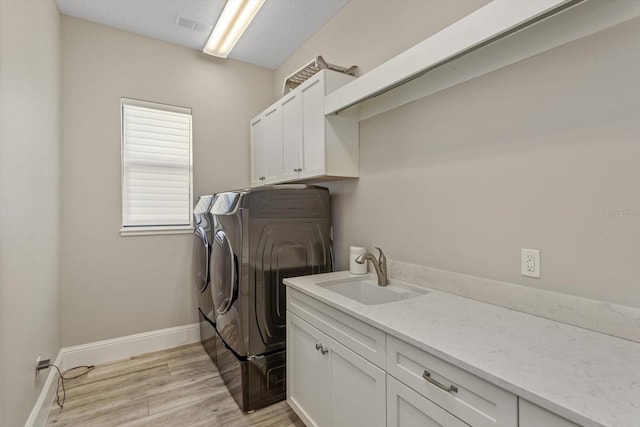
(496, 35)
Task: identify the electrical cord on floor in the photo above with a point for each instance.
(62, 378)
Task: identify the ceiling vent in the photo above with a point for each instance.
(192, 24)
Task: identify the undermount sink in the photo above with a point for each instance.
(367, 291)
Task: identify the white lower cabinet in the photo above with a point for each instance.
(308, 379)
(534, 416)
(343, 372)
(407, 408)
(468, 397)
(328, 384)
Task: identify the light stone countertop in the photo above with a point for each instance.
(590, 378)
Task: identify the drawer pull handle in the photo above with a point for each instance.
(318, 346)
(450, 389)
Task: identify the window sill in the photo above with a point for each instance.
(154, 231)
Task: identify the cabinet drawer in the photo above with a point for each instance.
(406, 408)
(471, 399)
(357, 336)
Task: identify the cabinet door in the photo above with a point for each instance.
(531, 415)
(291, 135)
(273, 144)
(328, 384)
(358, 389)
(313, 128)
(258, 160)
(406, 408)
(308, 373)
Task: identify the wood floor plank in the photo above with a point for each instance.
(144, 361)
(192, 392)
(107, 416)
(175, 387)
(279, 415)
(120, 386)
(198, 414)
(110, 395)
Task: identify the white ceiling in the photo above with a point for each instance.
(278, 30)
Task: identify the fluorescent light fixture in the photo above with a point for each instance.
(232, 23)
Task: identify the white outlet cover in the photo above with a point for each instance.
(530, 263)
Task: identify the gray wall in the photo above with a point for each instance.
(542, 154)
(111, 285)
(29, 199)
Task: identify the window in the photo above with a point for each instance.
(156, 168)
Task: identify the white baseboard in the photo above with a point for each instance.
(109, 351)
(132, 345)
(40, 410)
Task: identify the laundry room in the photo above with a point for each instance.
(319, 213)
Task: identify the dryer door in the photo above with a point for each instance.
(201, 251)
(224, 277)
(201, 259)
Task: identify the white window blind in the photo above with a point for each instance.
(156, 166)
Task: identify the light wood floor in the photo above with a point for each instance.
(176, 387)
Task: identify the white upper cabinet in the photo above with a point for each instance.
(266, 147)
(291, 135)
(258, 151)
(273, 145)
(295, 141)
(313, 129)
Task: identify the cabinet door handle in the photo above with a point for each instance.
(450, 389)
(295, 170)
(322, 348)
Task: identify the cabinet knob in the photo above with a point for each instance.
(322, 348)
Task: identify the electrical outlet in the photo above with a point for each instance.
(530, 263)
(37, 370)
(40, 365)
